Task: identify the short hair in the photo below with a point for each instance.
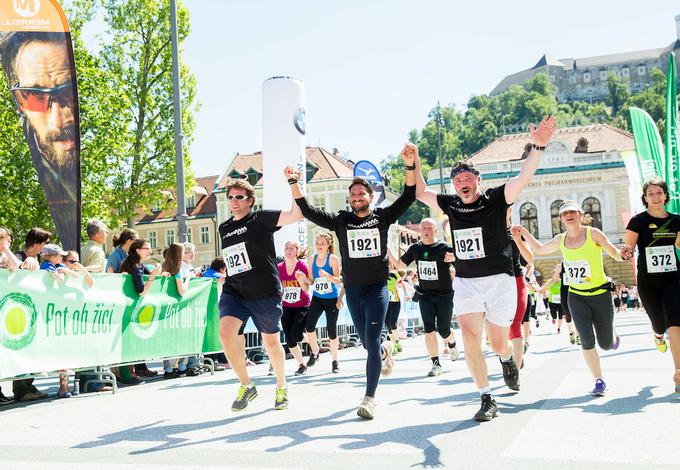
(429, 220)
(654, 182)
(243, 185)
(463, 166)
(37, 235)
(95, 226)
(218, 264)
(363, 182)
(13, 42)
(5, 233)
(188, 246)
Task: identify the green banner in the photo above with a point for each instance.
(648, 144)
(47, 325)
(672, 155)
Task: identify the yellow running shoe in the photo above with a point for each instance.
(661, 344)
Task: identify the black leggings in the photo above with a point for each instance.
(530, 310)
(556, 311)
(368, 308)
(593, 312)
(661, 300)
(393, 309)
(293, 323)
(316, 308)
(564, 301)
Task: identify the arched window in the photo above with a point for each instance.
(528, 217)
(591, 206)
(557, 225)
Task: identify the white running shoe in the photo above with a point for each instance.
(388, 360)
(453, 353)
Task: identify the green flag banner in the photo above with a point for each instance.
(672, 154)
(648, 145)
(47, 325)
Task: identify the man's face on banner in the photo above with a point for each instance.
(45, 95)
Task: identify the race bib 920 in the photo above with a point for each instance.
(363, 243)
(660, 259)
(469, 243)
(576, 272)
(236, 258)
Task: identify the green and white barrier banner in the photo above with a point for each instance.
(47, 325)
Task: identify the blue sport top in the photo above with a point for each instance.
(323, 288)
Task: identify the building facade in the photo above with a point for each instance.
(583, 164)
(585, 79)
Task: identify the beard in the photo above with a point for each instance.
(360, 208)
(55, 154)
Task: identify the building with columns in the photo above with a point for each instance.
(580, 163)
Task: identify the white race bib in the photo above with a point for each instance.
(236, 257)
(393, 295)
(427, 270)
(322, 286)
(291, 295)
(660, 259)
(555, 298)
(576, 272)
(469, 243)
(363, 243)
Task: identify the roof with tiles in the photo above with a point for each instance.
(203, 196)
(330, 166)
(600, 137)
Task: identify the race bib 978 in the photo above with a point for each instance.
(291, 294)
(236, 258)
(469, 243)
(323, 286)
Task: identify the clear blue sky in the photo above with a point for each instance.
(374, 69)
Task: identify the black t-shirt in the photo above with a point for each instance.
(362, 240)
(479, 233)
(518, 261)
(433, 273)
(656, 244)
(248, 250)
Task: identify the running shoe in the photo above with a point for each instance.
(335, 367)
(367, 408)
(599, 389)
(398, 347)
(270, 372)
(301, 370)
(537, 323)
(435, 371)
(246, 394)
(281, 400)
(453, 353)
(578, 340)
(572, 338)
(661, 344)
(388, 360)
(617, 342)
(488, 410)
(676, 379)
(313, 359)
(510, 374)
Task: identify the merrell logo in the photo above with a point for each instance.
(27, 8)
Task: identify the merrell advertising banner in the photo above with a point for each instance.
(47, 325)
(648, 146)
(38, 64)
(672, 151)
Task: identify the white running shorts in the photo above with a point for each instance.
(495, 295)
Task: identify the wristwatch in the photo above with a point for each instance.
(537, 147)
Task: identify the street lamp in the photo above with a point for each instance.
(179, 151)
(437, 115)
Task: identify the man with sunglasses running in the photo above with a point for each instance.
(485, 288)
(252, 288)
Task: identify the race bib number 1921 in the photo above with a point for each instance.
(660, 259)
(469, 243)
(363, 243)
(236, 257)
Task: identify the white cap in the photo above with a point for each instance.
(570, 206)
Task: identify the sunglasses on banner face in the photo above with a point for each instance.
(40, 100)
(238, 197)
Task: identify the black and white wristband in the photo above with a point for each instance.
(537, 147)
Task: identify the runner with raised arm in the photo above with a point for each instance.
(252, 288)
(485, 287)
(362, 236)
